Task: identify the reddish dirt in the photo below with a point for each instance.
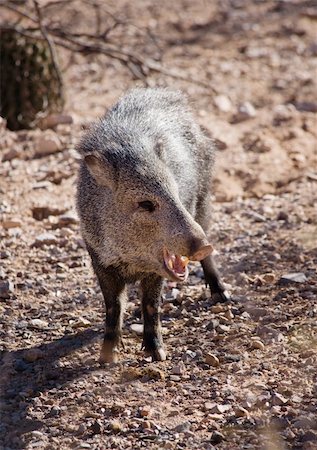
(240, 376)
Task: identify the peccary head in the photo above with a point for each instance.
(144, 217)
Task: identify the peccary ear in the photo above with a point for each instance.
(102, 170)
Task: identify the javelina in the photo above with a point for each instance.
(144, 201)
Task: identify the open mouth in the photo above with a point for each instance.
(175, 265)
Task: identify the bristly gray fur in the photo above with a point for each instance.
(157, 151)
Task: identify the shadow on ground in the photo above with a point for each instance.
(21, 381)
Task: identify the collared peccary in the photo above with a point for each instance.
(144, 202)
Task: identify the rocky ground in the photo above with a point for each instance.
(238, 376)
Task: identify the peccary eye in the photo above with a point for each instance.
(147, 205)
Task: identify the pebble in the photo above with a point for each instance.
(115, 426)
(282, 215)
(245, 111)
(306, 106)
(137, 328)
(47, 144)
(96, 427)
(182, 427)
(6, 289)
(216, 437)
(40, 212)
(179, 369)
(53, 120)
(223, 103)
(38, 324)
(10, 155)
(11, 223)
(218, 309)
(67, 219)
(256, 344)
(296, 277)
(146, 411)
(212, 360)
(304, 422)
(175, 378)
(81, 322)
(45, 239)
(239, 411)
(278, 399)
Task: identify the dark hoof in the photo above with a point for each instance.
(220, 297)
(109, 353)
(157, 355)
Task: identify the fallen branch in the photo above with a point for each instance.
(89, 43)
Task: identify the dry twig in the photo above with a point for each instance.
(90, 43)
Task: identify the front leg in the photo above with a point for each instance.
(114, 292)
(151, 287)
(213, 280)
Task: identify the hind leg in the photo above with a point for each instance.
(212, 276)
(213, 280)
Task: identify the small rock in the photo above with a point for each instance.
(175, 378)
(67, 219)
(45, 239)
(182, 427)
(146, 425)
(53, 120)
(216, 437)
(283, 113)
(40, 212)
(145, 411)
(306, 106)
(282, 215)
(241, 412)
(33, 354)
(256, 344)
(11, 223)
(245, 111)
(96, 427)
(47, 144)
(304, 422)
(218, 309)
(220, 409)
(180, 369)
(6, 289)
(82, 429)
(208, 406)
(38, 324)
(81, 322)
(255, 216)
(115, 426)
(309, 436)
(212, 360)
(296, 277)
(268, 278)
(223, 103)
(10, 155)
(278, 399)
(137, 328)
(229, 315)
